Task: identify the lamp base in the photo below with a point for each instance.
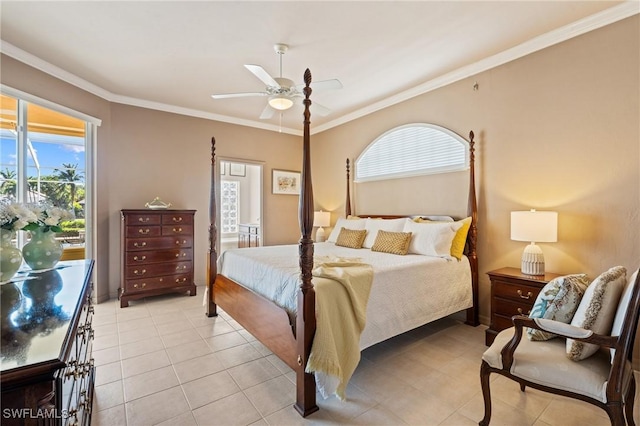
(532, 260)
(320, 235)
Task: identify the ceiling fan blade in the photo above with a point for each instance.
(322, 85)
(267, 113)
(264, 76)
(238, 95)
(321, 110)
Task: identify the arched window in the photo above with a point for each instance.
(412, 150)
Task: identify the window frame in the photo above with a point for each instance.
(423, 172)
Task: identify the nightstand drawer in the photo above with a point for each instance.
(510, 308)
(517, 292)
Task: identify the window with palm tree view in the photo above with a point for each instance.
(42, 161)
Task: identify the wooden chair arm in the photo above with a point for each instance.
(560, 329)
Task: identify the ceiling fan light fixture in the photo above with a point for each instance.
(280, 102)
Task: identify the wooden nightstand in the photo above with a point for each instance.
(512, 293)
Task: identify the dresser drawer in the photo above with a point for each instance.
(518, 292)
(142, 219)
(143, 231)
(177, 229)
(133, 244)
(510, 308)
(157, 269)
(148, 256)
(152, 283)
(177, 219)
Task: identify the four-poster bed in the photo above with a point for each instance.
(270, 323)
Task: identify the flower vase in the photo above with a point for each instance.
(10, 256)
(43, 251)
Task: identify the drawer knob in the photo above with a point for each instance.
(178, 280)
(143, 231)
(523, 296)
(144, 271)
(183, 267)
(521, 312)
(177, 229)
(178, 242)
(143, 219)
(177, 219)
(142, 244)
(143, 285)
(139, 259)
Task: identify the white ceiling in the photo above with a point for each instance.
(172, 55)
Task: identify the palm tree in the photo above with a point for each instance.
(8, 185)
(69, 175)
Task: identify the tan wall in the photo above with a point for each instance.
(144, 153)
(557, 130)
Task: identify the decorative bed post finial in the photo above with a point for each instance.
(347, 208)
(212, 268)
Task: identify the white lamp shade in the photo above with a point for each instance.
(534, 226)
(321, 218)
(280, 103)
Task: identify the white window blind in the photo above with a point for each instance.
(411, 150)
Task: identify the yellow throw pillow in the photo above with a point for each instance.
(351, 238)
(457, 245)
(392, 242)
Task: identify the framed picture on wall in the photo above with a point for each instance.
(285, 182)
(236, 169)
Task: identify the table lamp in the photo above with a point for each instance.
(535, 227)
(321, 219)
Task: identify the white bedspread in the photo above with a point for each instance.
(407, 291)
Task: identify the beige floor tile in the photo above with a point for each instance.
(419, 408)
(106, 356)
(232, 410)
(168, 317)
(502, 414)
(197, 367)
(108, 395)
(209, 388)
(126, 314)
(215, 328)
(107, 373)
(140, 333)
(289, 416)
(104, 319)
(135, 324)
(262, 349)
(141, 347)
(114, 416)
(104, 342)
(184, 419)
(456, 391)
(237, 355)
(571, 412)
(198, 318)
(356, 404)
(377, 415)
(143, 363)
(272, 395)
(180, 338)
(157, 407)
(531, 401)
(225, 341)
(105, 330)
(280, 364)
(148, 383)
(457, 419)
(253, 373)
(174, 327)
(188, 351)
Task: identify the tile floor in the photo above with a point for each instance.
(162, 361)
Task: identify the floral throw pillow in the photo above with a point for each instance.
(558, 300)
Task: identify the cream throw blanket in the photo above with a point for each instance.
(340, 318)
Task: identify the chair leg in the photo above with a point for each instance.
(629, 401)
(522, 387)
(485, 372)
(616, 415)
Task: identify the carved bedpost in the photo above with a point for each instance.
(472, 210)
(347, 209)
(212, 265)
(306, 316)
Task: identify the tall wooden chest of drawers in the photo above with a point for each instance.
(157, 253)
(47, 370)
(512, 293)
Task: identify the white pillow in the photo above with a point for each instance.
(357, 224)
(625, 299)
(596, 310)
(374, 225)
(432, 238)
(435, 218)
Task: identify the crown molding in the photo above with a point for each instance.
(590, 23)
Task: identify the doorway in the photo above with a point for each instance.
(240, 210)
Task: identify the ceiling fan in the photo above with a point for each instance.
(282, 92)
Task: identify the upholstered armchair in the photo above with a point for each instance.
(604, 379)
